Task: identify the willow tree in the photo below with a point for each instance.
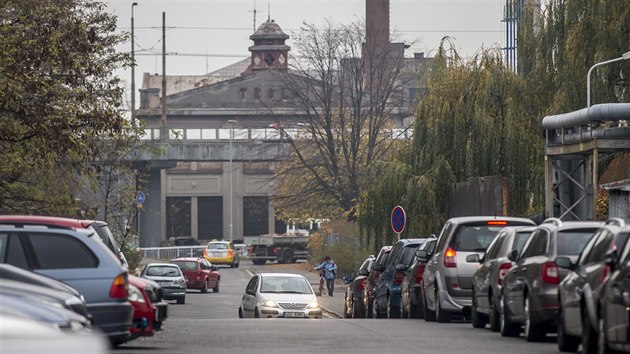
(343, 91)
(59, 98)
(478, 119)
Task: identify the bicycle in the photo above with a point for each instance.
(322, 283)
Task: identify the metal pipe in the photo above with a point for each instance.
(625, 56)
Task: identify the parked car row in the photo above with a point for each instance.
(77, 264)
(567, 277)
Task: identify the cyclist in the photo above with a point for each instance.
(328, 268)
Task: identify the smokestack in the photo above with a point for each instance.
(377, 23)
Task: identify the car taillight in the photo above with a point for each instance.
(230, 253)
(419, 273)
(605, 272)
(120, 287)
(275, 250)
(250, 249)
(362, 284)
(205, 252)
(450, 258)
(503, 269)
(550, 273)
(398, 277)
(497, 222)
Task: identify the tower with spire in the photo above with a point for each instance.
(269, 50)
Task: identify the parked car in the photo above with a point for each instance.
(447, 280)
(353, 303)
(100, 227)
(73, 299)
(170, 278)
(375, 273)
(411, 302)
(20, 333)
(155, 293)
(530, 287)
(488, 279)
(80, 259)
(199, 273)
(146, 320)
(387, 291)
(221, 252)
(44, 304)
(279, 295)
(613, 317)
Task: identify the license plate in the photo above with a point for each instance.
(294, 314)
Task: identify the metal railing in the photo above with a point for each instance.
(172, 252)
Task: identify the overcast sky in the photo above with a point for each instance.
(210, 34)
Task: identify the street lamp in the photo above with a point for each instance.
(133, 72)
(231, 197)
(625, 56)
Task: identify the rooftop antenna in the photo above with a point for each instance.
(268, 12)
(254, 17)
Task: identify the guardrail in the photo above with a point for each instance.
(167, 253)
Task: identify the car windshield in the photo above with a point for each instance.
(292, 285)
(163, 271)
(217, 246)
(473, 238)
(520, 238)
(409, 252)
(186, 265)
(571, 243)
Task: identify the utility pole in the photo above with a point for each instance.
(133, 72)
(164, 127)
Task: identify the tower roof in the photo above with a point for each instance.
(269, 30)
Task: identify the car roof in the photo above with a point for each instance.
(472, 219)
(162, 265)
(572, 225)
(43, 227)
(46, 220)
(281, 275)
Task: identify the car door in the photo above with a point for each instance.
(248, 301)
(384, 279)
(481, 278)
(431, 269)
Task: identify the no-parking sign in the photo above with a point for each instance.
(399, 219)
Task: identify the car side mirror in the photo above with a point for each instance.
(379, 267)
(363, 272)
(422, 255)
(347, 279)
(565, 262)
(513, 255)
(250, 292)
(401, 267)
(611, 259)
(473, 258)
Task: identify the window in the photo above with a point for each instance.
(473, 238)
(571, 243)
(495, 246)
(529, 249)
(12, 248)
(61, 251)
(520, 239)
(446, 231)
(178, 216)
(163, 271)
(210, 217)
(600, 247)
(588, 247)
(255, 216)
(408, 254)
(253, 284)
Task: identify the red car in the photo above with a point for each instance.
(377, 269)
(148, 315)
(199, 273)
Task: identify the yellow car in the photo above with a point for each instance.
(221, 252)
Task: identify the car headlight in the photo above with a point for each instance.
(135, 294)
(181, 281)
(313, 304)
(270, 303)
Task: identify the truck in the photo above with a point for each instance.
(288, 247)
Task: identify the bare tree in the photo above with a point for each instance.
(343, 89)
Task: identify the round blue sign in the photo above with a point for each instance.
(140, 197)
(398, 219)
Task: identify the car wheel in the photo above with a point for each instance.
(417, 311)
(346, 312)
(533, 332)
(357, 310)
(377, 311)
(566, 343)
(369, 309)
(478, 320)
(440, 315)
(429, 315)
(216, 287)
(493, 319)
(392, 311)
(181, 300)
(240, 313)
(256, 313)
(259, 261)
(204, 289)
(507, 327)
(589, 336)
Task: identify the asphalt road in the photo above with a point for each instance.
(209, 323)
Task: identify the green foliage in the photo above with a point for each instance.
(133, 256)
(344, 253)
(58, 99)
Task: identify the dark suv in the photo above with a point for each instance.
(80, 259)
(530, 288)
(388, 290)
(447, 280)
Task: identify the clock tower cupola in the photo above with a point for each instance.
(269, 50)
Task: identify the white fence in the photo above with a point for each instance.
(167, 253)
